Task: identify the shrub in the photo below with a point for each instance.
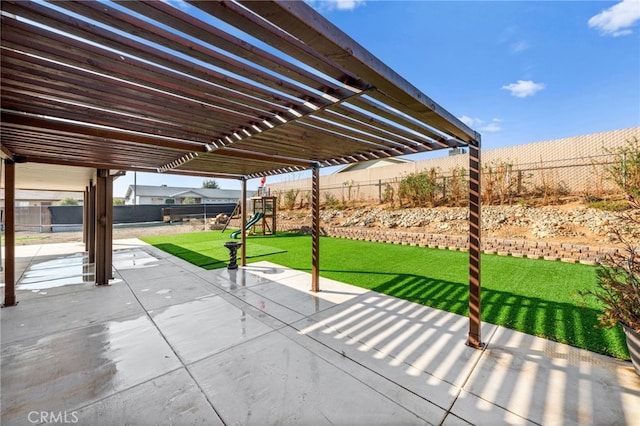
(625, 168)
(350, 185)
(607, 205)
(550, 187)
(307, 199)
(419, 189)
(500, 182)
(618, 289)
(290, 197)
(388, 194)
(331, 200)
(457, 187)
(594, 188)
(618, 286)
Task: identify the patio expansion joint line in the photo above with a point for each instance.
(372, 371)
(31, 259)
(284, 324)
(466, 380)
(174, 351)
(4, 345)
(111, 395)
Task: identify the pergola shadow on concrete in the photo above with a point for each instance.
(219, 89)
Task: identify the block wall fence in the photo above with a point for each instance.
(575, 163)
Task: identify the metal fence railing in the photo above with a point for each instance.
(503, 181)
(69, 218)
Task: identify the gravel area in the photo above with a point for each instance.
(574, 224)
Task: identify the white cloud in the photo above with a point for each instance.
(491, 127)
(481, 125)
(327, 5)
(471, 122)
(524, 88)
(617, 20)
(519, 46)
(347, 4)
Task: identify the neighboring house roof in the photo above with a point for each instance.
(189, 194)
(372, 163)
(180, 192)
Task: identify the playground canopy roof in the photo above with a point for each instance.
(213, 88)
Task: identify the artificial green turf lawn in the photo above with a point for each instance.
(533, 296)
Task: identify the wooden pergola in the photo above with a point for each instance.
(219, 89)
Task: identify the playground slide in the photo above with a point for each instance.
(254, 219)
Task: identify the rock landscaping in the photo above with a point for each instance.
(572, 233)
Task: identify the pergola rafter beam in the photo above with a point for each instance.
(32, 121)
(280, 121)
(83, 57)
(259, 26)
(207, 33)
(194, 118)
(332, 43)
(243, 154)
(144, 56)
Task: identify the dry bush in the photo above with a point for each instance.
(388, 193)
(353, 190)
(625, 168)
(456, 187)
(500, 182)
(331, 201)
(290, 197)
(419, 189)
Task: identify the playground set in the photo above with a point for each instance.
(263, 219)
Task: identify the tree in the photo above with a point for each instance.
(68, 202)
(210, 183)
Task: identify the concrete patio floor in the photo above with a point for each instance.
(170, 343)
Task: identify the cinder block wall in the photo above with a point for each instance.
(565, 252)
(570, 253)
(574, 162)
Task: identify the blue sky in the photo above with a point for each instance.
(517, 72)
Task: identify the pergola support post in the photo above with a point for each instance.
(109, 225)
(475, 223)
(10, 234)
(243, 229)
(85, 218)
(315, 229)
(104, 227)
(91, 223)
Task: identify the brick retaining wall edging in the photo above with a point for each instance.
(565, 252)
